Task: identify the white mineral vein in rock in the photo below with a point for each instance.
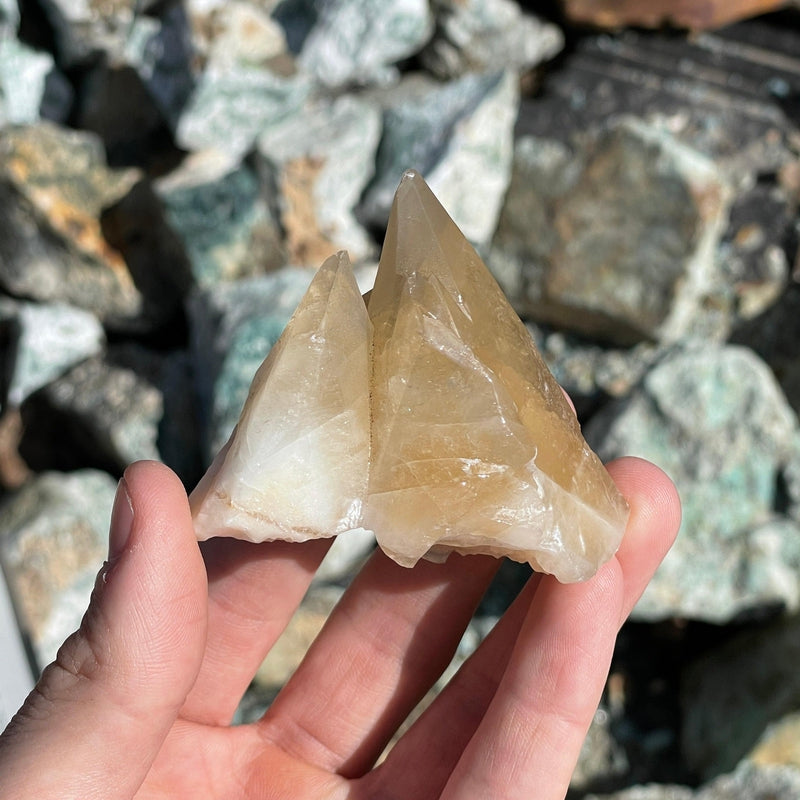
(296, 465)
(474, 447)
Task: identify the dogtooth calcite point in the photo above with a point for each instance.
(436, 406)
(295, 467)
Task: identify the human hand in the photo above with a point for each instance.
(140, 699)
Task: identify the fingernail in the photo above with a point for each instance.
(121, 522)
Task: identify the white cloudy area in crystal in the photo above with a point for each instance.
(296, 466)
(431, 420)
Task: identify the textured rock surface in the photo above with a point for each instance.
(356, 42)
(487, 35)
(49, 338)
(53, 539)
(99, 413)
(635, 209)
(729, 95)
(236, 33)
(30, 86)
(223, 218)
(53, 186)
(460, 136)
(748, 782)
(726, 457)
(507, 473)
(324, 157)
(296, 467)
(230, 107)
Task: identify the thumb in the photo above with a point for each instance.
(96, 720)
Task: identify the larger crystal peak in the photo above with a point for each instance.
(475, 447)
(452, 436)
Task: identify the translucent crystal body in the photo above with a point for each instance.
(475, 448)
(296, 465)
(432, 420)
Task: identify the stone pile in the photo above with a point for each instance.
(172, 174)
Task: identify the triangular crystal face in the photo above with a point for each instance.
(475, 448)
(296, 466)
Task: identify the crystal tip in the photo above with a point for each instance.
(410, 175)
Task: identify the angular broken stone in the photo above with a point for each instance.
(296, 466)
(475, 448)
(459, 440)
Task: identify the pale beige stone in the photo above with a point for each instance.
(296, 465)
(475, 448)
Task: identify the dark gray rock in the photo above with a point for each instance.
(128, 404)
(774, 334)
(53, 539)
(160, 49)
(747, 782)
(223, 218)
(487, 35)
(740, 122)
(716, 421)
(754, 263)
(616, 239)
(133, 99)
(114, 104)
(48, 339)
(98, 414)
(602, 758)
(731, 695)
(459, 135)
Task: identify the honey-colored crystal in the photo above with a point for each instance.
(296, 466)
(454, 436)
(475, 448)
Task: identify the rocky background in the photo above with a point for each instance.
(172, 173)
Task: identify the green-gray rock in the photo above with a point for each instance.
(222, 217)
(459, 136)
(714, 418)
(323, 157)
(486, 36)
(229, 108)
(53, 539)
(616, 238)
(358, 41)
(49, 339)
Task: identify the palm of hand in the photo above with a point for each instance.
(172, 639)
